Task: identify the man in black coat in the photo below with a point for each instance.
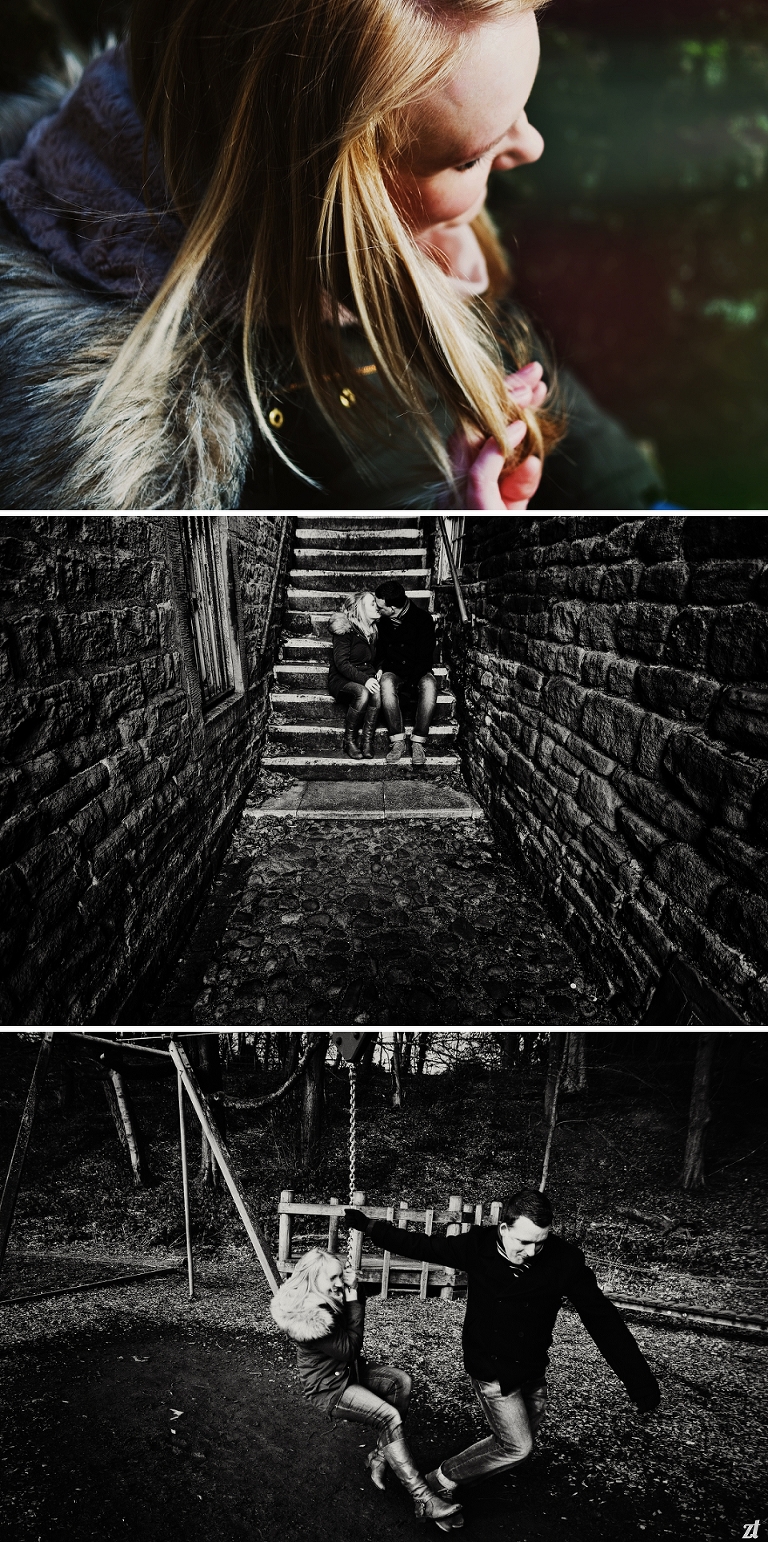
(517, 1276)
(406, 653)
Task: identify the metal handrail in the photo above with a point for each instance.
(275, 581)
(466, 619)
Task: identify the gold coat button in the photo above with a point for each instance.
(276, 418)
(347, 397)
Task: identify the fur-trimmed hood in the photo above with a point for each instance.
(341, 623)
(304, 1320)
(58, 342)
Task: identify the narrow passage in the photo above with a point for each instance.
(320, 920)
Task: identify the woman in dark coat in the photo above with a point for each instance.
(318, 1307)
(352, 677)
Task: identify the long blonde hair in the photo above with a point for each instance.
(301, 1285)
(352, 609)
(277, 121)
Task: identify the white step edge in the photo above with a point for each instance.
(370, 816)
(437, 730)
(306, 667)
(299, 762)
(322, 594)
(300, 698)
(382, 574)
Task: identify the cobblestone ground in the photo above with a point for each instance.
(405, 923)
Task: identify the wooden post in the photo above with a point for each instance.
(384, 1292)
(333, 1231)
(286, 1233)
(456, 1206)
(700, 1115)
(358, 1200)
(429, 1217)
(496, 1212)
(185, 1185)
(202, 1109)
(478, 1215)
(16, 1168)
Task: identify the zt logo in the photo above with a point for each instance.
(750, 1530)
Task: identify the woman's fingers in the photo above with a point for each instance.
(483, 490)
(526, 386)
(520, 484)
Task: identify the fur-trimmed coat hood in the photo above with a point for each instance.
(304, 1320)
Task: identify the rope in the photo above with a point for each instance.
(352, 1152)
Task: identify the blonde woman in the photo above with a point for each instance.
(318, 1306)
(247, 264)
(353, 678)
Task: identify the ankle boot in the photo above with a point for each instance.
(352, 721)
(369, 730)
(428, 1506)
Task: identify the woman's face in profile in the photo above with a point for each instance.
(330, 1281)
(369, 609)
(472, 126)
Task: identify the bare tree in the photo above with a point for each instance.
(312, 1105)
(406, 1043)
(397, 1095)
(212, 1082)
(366, 1057)
(575, 1067)
(125, 1123)
(422, 1052)
(700, 1112)
(291, 1051)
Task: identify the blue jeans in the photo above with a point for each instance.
(382, 1402)
(514, 1420)
(426, 696)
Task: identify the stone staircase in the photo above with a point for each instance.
(333, 557)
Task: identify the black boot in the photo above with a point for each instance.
(353, 720)
(369, 730)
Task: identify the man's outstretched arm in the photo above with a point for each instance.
(613, 1338)
(454, 1252)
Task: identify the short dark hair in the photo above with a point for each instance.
(392, 593)
(530, 1203)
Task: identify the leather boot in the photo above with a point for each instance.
(352, 721)
(428, 1506)
(369, 729)
(376, 1463)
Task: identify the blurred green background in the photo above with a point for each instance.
(640, 240)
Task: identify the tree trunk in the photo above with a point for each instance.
(397, 1095)
(312, 1105)
(212, 1082)
(65, 1094)
(125, 1124)
(406, 1040)
(700, 1114)
(575, 1068)
(422, 1052)
(366, 1057)
(291, 1056)
(557, 1046)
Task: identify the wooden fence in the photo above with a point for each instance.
(392, 1271)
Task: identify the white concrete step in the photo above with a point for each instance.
(366, 801)
(336, 559)
(349, 579)
(325, 766)
(321, 604)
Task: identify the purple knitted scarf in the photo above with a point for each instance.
(76, 189)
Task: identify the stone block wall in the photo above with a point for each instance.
(614, 696)
(118, 793)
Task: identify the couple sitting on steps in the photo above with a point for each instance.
(383, 646)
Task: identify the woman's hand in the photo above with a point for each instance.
(351, 1281)
(372, 685)
(481, 465)
(487, 484)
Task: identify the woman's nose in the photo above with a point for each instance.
(524, 144)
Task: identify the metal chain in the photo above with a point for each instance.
(352, 1151)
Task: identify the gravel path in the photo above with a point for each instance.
(408, 924)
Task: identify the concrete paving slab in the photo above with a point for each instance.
(284, 805)
(421, 800)
(343, 798)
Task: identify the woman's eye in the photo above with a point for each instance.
(469, 164)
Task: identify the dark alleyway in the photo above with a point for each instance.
(404, 922)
